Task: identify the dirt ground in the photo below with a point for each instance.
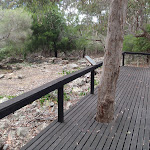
(28, 77)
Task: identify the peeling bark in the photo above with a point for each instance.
(114, 42)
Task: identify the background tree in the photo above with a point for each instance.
(50, 31)
(92, 16)
(114, 41)
(15, 27)
(137, 26)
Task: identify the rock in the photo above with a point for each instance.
(16, 67)
(99, 59)
(56, 112)
(4, 99)
(42, 126)
(13, 60)
(21, 90)
(22, 131)
(76, 89)
(45, 63)
(34, 103)
(67, 105)
(2, 76)
(47, 103)
(4, 66)
(16, 114)
(5, 147)
(1, 66)
(50, 118)
(79, 82)
(11, 134)
(38, 111)
(73, 66)
(88, 80)
(82, 61)
(52, 109)
(20, 77)
(1, 144)
(22, 118)
(82, 83)
(64, 62)
(88, 75)
(51, 104)
(65, 68)
(4, 125)
(9, 77)
(44, 108)
(57, 60)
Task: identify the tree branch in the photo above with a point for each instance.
(5, 37)
(144, 34)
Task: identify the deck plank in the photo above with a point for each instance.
(129, 130)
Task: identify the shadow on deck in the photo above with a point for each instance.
(130, 129)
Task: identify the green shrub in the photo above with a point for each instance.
(129, 43)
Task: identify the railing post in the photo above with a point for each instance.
(60, 105)
(92, 82)
(123, 58)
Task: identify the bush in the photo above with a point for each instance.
(129, 43)
(140, 44)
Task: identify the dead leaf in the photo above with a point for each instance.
(128, 132)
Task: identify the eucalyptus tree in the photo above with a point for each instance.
(138, 15)
(114, 41)
(137, 28)
(92, 16)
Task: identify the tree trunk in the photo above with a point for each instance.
(84, 52)
(114, 40)
(55, 50)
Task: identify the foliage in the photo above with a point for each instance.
(139, 44)
(129, 43)
(137, 15)
(47, 97)
(66, 97)
(52, 97)
(15, 27)
(50, 32)
(96, 82)
(142, 43)
(9, 97)
(66, 25)
(82, 94)
(90, 18)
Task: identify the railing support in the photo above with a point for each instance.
(92, 82)
(60, 105)
(123, 58)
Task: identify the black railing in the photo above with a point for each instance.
(18, 102)
(132, 53)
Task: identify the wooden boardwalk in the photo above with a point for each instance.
(130, 129)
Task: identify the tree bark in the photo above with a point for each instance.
(112, 58)
(84, 52)
(55, 50)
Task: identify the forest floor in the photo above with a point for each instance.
(18, 128)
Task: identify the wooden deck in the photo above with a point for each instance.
(130, 129)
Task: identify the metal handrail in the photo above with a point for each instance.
(18, 102)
